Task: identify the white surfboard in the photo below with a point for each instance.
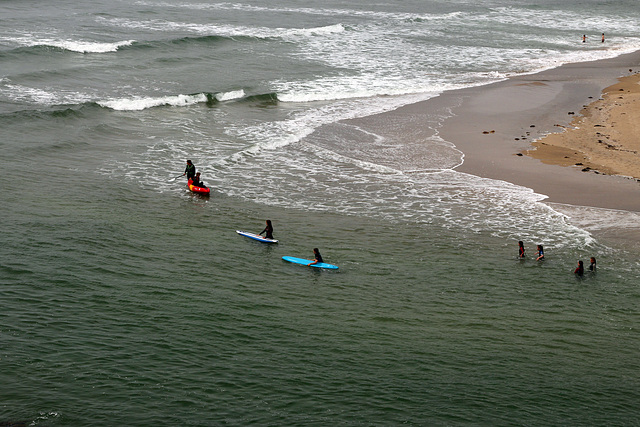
(256, 237)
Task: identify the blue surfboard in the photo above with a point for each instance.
(257, 237)
(303, 261)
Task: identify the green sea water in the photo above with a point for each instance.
(127, 307)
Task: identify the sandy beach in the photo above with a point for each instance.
(562, 113)
(603, 138)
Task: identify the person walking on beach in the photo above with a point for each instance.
(317, 257)
(579, 271)
(592, 265)
(520, 249)
(190, 170)
(268, 229)
(540, 253)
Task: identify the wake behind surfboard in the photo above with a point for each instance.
(303, 261)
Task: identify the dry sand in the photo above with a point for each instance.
(604, 138)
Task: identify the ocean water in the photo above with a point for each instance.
(127, 300)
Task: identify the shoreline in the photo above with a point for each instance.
(493, 125)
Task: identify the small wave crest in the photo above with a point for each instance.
(69, 45)
(90, 47)
(139, 104)
(232, 95)
(143, 103)
(214, 32)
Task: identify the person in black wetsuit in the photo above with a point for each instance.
(190, 170)
(317, 257)
(521, 249)
(196, 181)
(268, 229)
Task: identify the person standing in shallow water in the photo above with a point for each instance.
(520, 249)
(190, 170)
(592, 265)
(579, 271)
(540, 253)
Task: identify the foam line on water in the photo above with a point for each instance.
(43, 96)
(225, 30)
(81, 46)
(275, 135)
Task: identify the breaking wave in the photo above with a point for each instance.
(79, 46)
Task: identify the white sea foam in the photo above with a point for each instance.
(318, 180)
(222, 30)
(86, 47)
(228, 96)
(273, 135)
(23, 93)
(296, 10)
(137, 104)
(44, 96)
(561, 20)
(599, 219)
(70, 45)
